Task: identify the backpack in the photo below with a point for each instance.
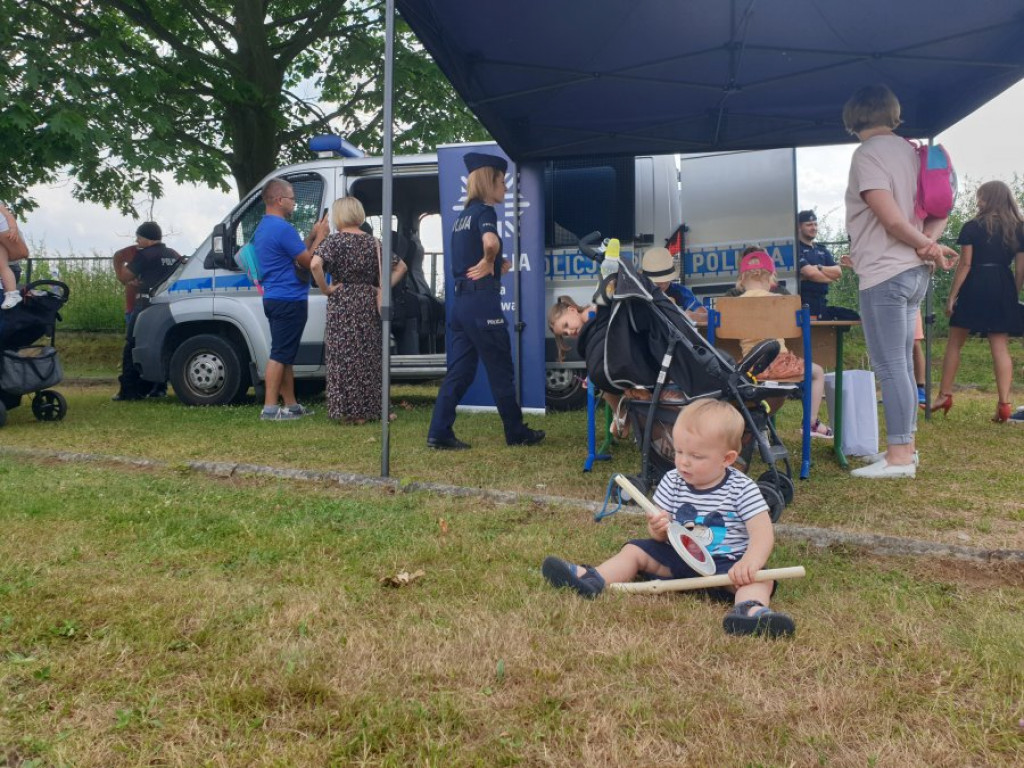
(249, 263)
(936, 182)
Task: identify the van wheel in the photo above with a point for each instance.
(206, 370)
(565, 390)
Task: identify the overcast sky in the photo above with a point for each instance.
(987, 144)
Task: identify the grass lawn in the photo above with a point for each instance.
(161, 618)
(165, 617)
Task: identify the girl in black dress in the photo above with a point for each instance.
(983, 297)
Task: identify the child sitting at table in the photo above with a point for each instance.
(705, 491)
(757, 274)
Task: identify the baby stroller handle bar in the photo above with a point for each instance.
(658, 586)
(590, 246)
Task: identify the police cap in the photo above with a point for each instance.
(474, 160)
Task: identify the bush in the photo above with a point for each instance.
(96, 298)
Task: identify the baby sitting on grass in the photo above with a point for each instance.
(705, 490)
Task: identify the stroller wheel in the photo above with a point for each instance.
(774, 500)
(784, 486)
(49, 405)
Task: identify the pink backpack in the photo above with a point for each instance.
(936, 182)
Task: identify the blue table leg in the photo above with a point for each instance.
(592, 453)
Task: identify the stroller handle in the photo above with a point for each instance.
(591, 246)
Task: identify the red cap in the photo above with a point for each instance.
(757, 260)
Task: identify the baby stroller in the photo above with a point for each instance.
(24, 368)
(641, 342)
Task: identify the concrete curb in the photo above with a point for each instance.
(821, 538)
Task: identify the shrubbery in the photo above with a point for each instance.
(96, 297)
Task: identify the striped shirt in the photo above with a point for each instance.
(724, 509)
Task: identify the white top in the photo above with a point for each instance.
(885, 161)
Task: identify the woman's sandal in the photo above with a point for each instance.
(822, 431)
(763, 621)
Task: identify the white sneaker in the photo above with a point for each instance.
(883, 469)
(11, 299)
(874, 458)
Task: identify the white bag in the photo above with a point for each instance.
(860, 411)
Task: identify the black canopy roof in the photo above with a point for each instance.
(563, 78)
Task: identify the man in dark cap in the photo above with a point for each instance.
(477, 330)
(818, 270)
(151, 265)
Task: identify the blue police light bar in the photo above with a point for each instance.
(334, 146)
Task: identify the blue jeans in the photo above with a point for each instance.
(888, 312)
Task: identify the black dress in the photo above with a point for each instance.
(987, 301)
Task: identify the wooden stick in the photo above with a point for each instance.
(634, 493)
(657, 586)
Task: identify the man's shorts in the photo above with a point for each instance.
(287, 321)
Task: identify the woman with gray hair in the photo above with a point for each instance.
(893, 253)
(352, 336)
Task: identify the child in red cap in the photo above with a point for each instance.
(757, 273)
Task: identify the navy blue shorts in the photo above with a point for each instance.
(287, 321)
(664, 554)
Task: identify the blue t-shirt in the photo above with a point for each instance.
(277, 244)
(684, 298)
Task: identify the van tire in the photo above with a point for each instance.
(564, 390)
(207, 370)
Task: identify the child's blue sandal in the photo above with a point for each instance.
(560, 573)
(763, 621)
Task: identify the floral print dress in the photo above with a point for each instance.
(352, 338)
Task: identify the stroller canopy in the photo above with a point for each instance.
(624, 346)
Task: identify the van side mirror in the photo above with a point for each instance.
(222, 250)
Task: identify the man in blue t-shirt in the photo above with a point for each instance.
(818, 270)
(285, 297)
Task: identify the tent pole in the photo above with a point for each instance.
(518, 361)
(927, 320)
(387, 189)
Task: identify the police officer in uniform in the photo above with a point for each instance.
(818, 270)
(152, 264)
(477, 326)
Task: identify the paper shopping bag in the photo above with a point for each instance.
(860, 411)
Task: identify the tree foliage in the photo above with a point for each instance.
(114, 92)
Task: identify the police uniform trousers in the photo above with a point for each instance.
(478, 332)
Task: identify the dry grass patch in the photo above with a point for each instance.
(160, 618)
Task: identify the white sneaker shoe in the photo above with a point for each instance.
(11, 299)
(883, 469)
(874, 458)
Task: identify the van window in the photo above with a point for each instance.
(309, 192)
(587, 195)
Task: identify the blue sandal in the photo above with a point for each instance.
(764, 621)
(560, 573)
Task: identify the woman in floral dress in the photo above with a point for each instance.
(352, 338)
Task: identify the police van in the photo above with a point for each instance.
(205, 330)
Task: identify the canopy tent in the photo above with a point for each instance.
(625, 77)
(562, 79)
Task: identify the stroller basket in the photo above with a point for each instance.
(29, 369)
